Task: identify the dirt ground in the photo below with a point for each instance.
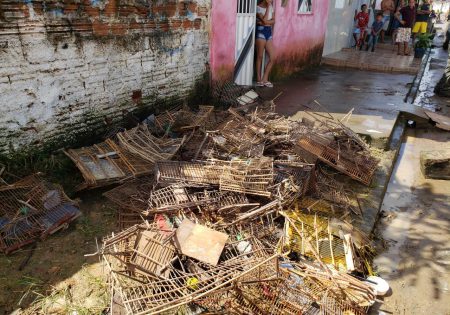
(415, 226)
(58, 276)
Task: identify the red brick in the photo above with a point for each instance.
(150, 26)
(175, 23)
(187, 24)
(137, 26)
(142, 11)
(192, 7)
(111, 8)
(92, 12)
(164, 25)
(100, 29)
(119, 29)
(70, 8)
(82, 26)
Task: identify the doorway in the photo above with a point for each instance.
(245, 42)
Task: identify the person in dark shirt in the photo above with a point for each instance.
(404, 32)
(377, 27)
(422, 17)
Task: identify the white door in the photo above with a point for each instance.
(245, 42)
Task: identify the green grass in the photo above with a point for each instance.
(89, 229)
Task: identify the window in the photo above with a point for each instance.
(246, 6)
(305, 6)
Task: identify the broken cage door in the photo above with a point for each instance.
(245, 41)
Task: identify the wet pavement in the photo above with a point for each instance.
(426, 98)
(415, 226)
(376, 98)
(415, 221)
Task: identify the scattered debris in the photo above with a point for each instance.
(435, 164)
(105, 163)
(238, 211)
(31, 209)
(234, 212)
(441, 121)
(199, 242)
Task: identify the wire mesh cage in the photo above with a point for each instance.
(142, 143)
(30, 209)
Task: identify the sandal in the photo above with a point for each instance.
(268, 84)
(260, 84)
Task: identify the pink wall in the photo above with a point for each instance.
(223, 39)
(298, 38)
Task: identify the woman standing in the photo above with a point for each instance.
(265, 19)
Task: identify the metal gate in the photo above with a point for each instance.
(245, 42)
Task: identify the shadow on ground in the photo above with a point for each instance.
(31, 273)
(415, 226)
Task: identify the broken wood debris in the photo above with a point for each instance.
(238, 212)
(32, 209)
(236, 271)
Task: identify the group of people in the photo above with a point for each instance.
(405, 20)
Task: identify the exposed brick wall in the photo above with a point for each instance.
(67, 67)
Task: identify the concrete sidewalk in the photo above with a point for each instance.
(384, 59)
(415, 225)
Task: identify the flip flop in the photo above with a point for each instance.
(268, 84)
(260, 84)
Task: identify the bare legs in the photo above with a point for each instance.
(271, 52)
(405, 48)
(261, 46)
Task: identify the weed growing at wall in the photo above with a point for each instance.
(48, 157)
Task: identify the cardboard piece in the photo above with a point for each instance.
(200, 242)
(442, 122)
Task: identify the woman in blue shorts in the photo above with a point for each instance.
(265, 19)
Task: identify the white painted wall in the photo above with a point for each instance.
(53, 87)
(341, 24)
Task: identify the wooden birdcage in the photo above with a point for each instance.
(195, 173)
(30, 209)
(247, 176)
(105, 163)
(140, 142)
(359, 166)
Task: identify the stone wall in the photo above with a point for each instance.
(74, 67)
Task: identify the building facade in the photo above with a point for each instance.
(72, 67)
(298, 36)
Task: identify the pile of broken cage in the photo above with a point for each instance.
(152, 270)
(31, 209)
(234, 212)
